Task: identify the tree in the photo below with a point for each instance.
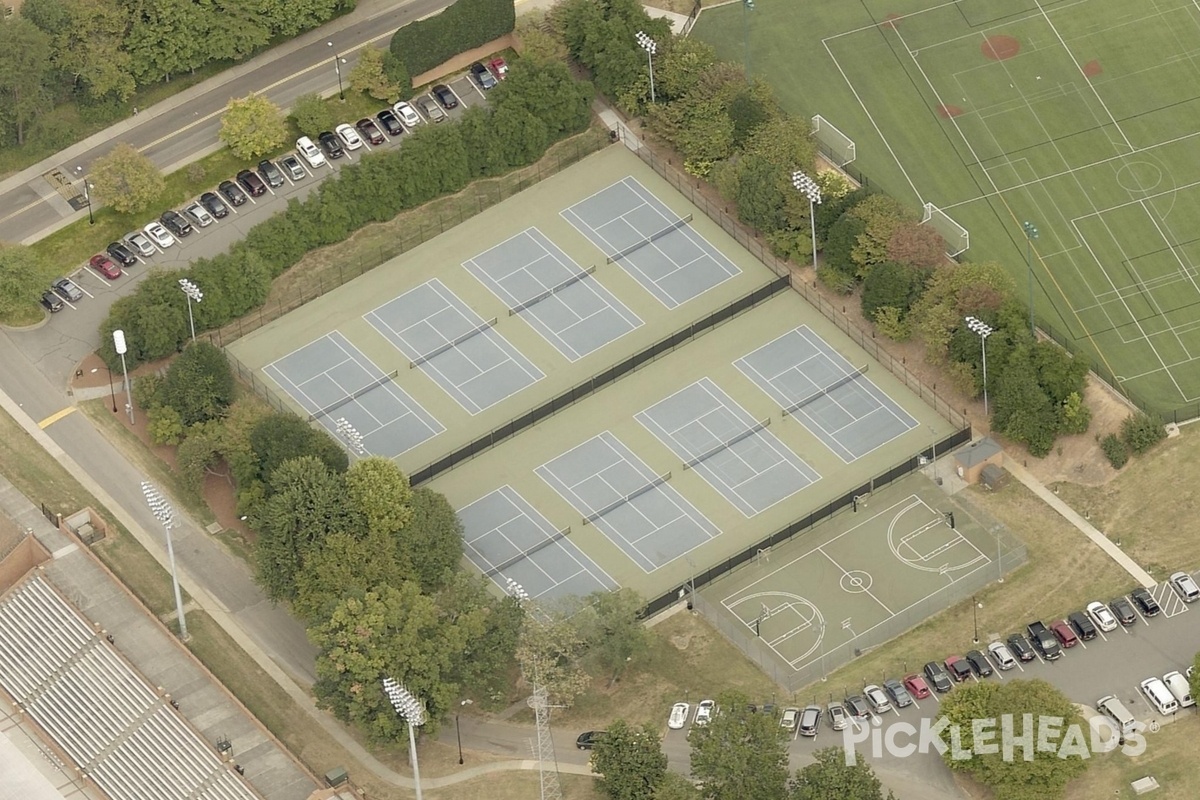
(89, 47)
(279, 437)
(344, 565)
(22, 279)
(1031, 773)
(676, 787)
(486, 664)
(551, 647)
(739, 754)
(199, 384)
(378, 490)
(24, 74)
(126, 180)
(253, 126)
(163, 40)
(954, 290)
(883, 216)
(840, 242)
(396, 72)
(431, 543)
(368, 76)
(891, 284)
(1141, 431)
(677, 70)
(916, 244)
(831, 778)
(630, 760)
(312, 115)
(613, 630)
(760, 193)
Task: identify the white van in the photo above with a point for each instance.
(1115, 710)
(1180, 688)
(1157, 693)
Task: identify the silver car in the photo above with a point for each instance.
(199, 215)
(431, 109)
(138, 241)
(1185, 585)
(838, 718)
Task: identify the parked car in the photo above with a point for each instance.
(1180, 687)
(138, 241)
(679, 716)
(1122, 610)
(390, 122)
(199, 215)
(368, 130)
(445, 95)
(270, 173)
(1082, 625)
(587, 740)
(309, 152)
(790, 719)
(67, 288)
(499, 68)
(1101, 615)
(896, 691)
(1002, 657)
(916, 686)
(159, 235)
(1021, 648)
(838, 719)
(431, 109)
(350, 138)
(407, 114)
(1185, 586)
(958, 668)
(704, 711)
(979, 663)
(233, 193)
(769, 709)
(52, 302)
(176, 223)
(214, 205)
(248, 179)
(105, 266)
(857, 707)
(331, 144)
(292, 166)
(937, 677)
(483, 76)
(877, 698)
(1045, 641)
(1145, 602)
(1064, 633)
(810, 720)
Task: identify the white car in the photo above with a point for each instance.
(159, 234)
(704, 711)
(790, 719)
(878, 699)
(349, 136)
(310, 152)
(199, 215)
(1101, 615)
(138, 241)
(408, 115)
(679, 716)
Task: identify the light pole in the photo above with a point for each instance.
(822, 634)
(119, 344)
(809, 188)
(87, 195)
(337, 67)
(348, 432)
(193, 294)
(457, 731)
(747, 7)
(1031, 233)
(651, 47)
(161, 508)
(983, 330)
(413, 714)
(975, 616)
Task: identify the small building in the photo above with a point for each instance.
(970, 461)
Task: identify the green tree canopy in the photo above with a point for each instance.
(552, 647)
(430, 545)
(630, 760)
(278, 437)
(343, 565)
(883, 216)
(368, 76)
(198, 384)
(22, 279)
(378, 490)
(891, 284)
(253, 127)
(831, 778)
(312, 115)
(739, 754)
(954, 291)
(126, 180)
(614, 632)
(24, 76)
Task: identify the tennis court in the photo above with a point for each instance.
(558, 298)
(506, 538)
(813, 384)
(333, 381)
(636, 509)
(454, 346)
(737, 455)
(656, 246)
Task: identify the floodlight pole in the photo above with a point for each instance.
(413, 714)
(120, 345)
(983, 330)
(809, 188)
(161, 508)
(337, 67)
(193, 294)
(747, 6)
(975, 616)
(1031, 233)
(87, 195)
(651, 47)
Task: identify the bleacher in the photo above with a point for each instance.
(98, 710)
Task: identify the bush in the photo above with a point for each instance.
(198, 385)
(465, 25)
(1142, 431)
(1115, 451)
(164, 425)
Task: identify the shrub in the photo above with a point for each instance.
(198, 385)
(164, 425)
(465, 25)
(1142, 431)
(1115, 451)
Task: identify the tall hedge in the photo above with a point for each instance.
(467, 24)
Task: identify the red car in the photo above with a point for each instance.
(1065, 634)
(105, 266)
(498, 68)
(916, 686)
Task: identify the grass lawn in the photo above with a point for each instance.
(515, 786)
(1075, 117)
(1170, 758)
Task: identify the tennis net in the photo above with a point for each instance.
(707, 454)
(542, 545)
(620, 501)
(437, 351)
(677, 224)
(576, 278)
(357, 393)
(812, 398)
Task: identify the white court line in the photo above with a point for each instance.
(409, 411)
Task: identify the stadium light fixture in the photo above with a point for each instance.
(413, 714)
(809, 188)
(161, 508)
(651, 47)
(193, 295)
(983, 331)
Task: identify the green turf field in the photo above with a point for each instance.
(1077, 117)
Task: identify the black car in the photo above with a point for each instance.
(330, 144)
(121, 254)
(1021, 648)
(233, 193)
(857, 707)
(52, 302)
(445, 96)
(937, 677)
(1145, 602)
(483, 76)
(253, 184)
(1082, 625)
(214, 205)
(390, 122)
(1123, 611)
(1044, 640)
(769, 709)
(979, 663)
(292, 166)
(270, 173)
(176, 223)
(587, 740)
(369, 130)
(958, 668)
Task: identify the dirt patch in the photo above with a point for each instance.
(946, 110)
(464, 60)
(890, 21)
(1078, 459)
(1092, 68)
(999, 48)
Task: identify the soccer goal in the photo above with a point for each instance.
(833, 144)
(958, 239)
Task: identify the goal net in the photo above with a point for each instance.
(958, 240)
(833, 144)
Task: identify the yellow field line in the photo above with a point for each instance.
(55, 417)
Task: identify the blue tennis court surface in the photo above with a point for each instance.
(834, 400)
(331, 379)
(506, 538)
(651, 242)
(454, 346)
(737, 455)
(618, 493)
(558, 298)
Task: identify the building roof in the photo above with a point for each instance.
(977, 452)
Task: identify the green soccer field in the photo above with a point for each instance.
(1076, 117)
